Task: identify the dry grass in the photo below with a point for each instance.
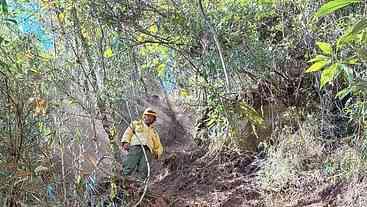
(300, 171)
(347, 163)
(355, 194)
(295, 152)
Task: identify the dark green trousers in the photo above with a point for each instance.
(136, 162)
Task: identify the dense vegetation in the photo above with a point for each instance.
(283, 79)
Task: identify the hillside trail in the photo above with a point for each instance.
(187, 176)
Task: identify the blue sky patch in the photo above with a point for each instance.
(29, 24)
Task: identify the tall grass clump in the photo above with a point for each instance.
(296, 151)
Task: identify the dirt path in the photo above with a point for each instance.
(186, 177)
(226, 180)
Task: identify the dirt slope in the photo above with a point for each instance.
(187, 177)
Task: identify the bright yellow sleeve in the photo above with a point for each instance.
(158, 148)
(127, 135)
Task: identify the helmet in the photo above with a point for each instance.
(150, 111)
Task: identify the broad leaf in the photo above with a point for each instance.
(346, 38)
(317, 66)
(318, 58)
(328, 74)
(325, 47)
(332, 6)
(348, 72)
(343, 93)
(360, 26)
(351, 35)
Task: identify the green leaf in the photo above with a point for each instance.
(328, 74)
(346, 38)
(317, 66)
(341, 94)
(352, 61)
(332, 6)
(318, 58)
(360, 26)
(108, 53)
(325, 47)
(351, 35)
(161, 70)
(3, 6)
(348, 72)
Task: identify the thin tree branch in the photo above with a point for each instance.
(211, 28)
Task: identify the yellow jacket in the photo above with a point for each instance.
(138, 133)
